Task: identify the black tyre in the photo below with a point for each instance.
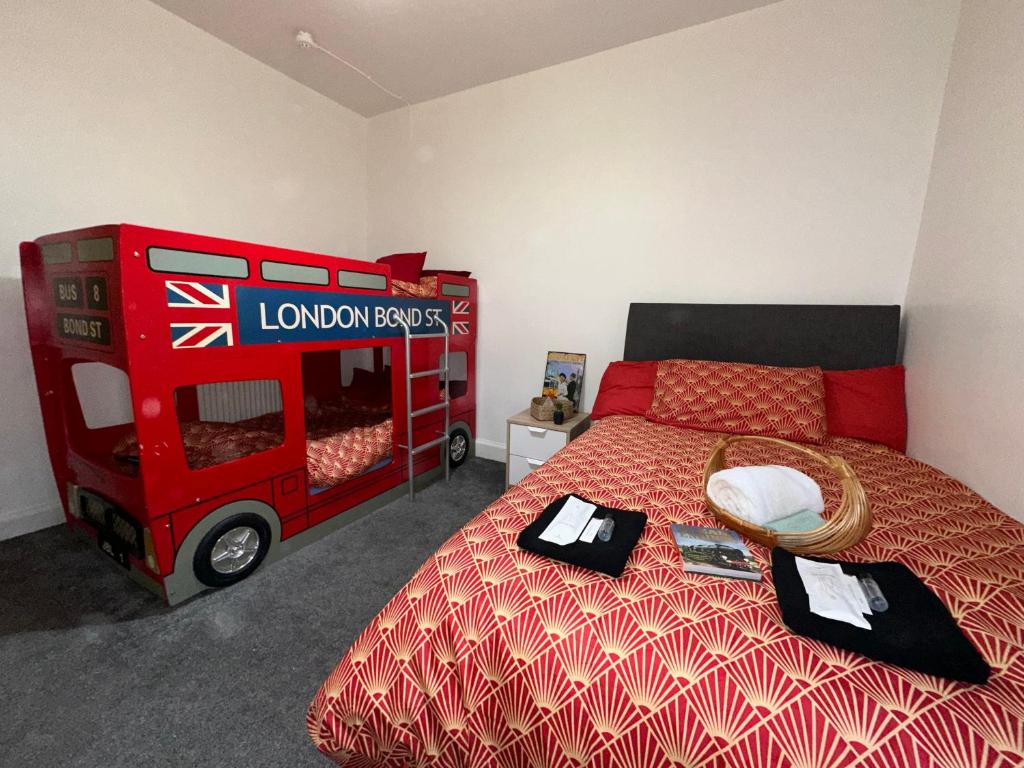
(232, 550)
(458, 448)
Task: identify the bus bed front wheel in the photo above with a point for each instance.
(231, 550)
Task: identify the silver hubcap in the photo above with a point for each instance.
(458, 447)
(235, 549)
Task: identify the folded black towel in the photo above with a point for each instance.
(603, 556)
(917, 632)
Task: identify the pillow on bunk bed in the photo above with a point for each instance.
(788, 403)
(627, 389)
(869, 404)
(406, 267)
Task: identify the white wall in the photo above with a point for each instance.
(776, 155)
(965, 305)
(116, 110)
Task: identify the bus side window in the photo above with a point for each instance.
(103, 394)
(229, 420)
(104, 423)
(458, 379)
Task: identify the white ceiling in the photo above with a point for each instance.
(423, 49)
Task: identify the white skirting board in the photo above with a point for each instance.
(17, 522)
(487, 449)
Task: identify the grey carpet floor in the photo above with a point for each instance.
(95, 671)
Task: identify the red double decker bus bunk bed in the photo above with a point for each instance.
(211, 405)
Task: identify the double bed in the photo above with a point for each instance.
(493, 656)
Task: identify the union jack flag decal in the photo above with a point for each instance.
(182, 293)
(194, 335)
(460, 327)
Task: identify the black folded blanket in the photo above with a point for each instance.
(607, 557)
(917, 632)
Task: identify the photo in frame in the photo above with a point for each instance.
(563, 377)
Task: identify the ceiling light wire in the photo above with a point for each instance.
(306, 40)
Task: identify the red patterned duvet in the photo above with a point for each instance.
(342, 445)
(492, 656)
(426, 288)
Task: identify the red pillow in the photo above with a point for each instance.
(626, 390)
(869, 404)
(405, 266)
(787, 403)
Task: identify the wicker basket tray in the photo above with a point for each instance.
(543, 409)
(846, 526)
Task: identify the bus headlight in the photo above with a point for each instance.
(147, 543)
(74, 503)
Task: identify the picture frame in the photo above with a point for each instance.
(564, 376)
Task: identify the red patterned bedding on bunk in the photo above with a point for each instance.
(341, 454)
(426, 288)
(342, 441)
(491, 656)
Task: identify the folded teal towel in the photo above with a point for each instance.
(801, 521)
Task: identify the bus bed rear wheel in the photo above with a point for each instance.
(231, 550)
(458, 447)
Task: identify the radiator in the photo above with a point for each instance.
(238, 400)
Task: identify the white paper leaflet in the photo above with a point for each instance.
(569, 523)
(833, 594)
(591, 530)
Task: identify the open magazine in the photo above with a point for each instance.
(715, 552)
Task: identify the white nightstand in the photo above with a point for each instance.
(529, 443)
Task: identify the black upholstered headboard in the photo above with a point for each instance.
(836, 337)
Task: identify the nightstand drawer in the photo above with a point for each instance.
(520, 466)
(535, 442)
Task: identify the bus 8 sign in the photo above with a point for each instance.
(68, 292)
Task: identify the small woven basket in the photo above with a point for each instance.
(543, 409)
(846, 526)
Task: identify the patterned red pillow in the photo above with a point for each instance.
(788, 403)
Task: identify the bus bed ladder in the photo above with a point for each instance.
(410, 414)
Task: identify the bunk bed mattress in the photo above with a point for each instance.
(494, 656)
(347, 453)
(342, 442)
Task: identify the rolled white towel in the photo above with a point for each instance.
(761, 495)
